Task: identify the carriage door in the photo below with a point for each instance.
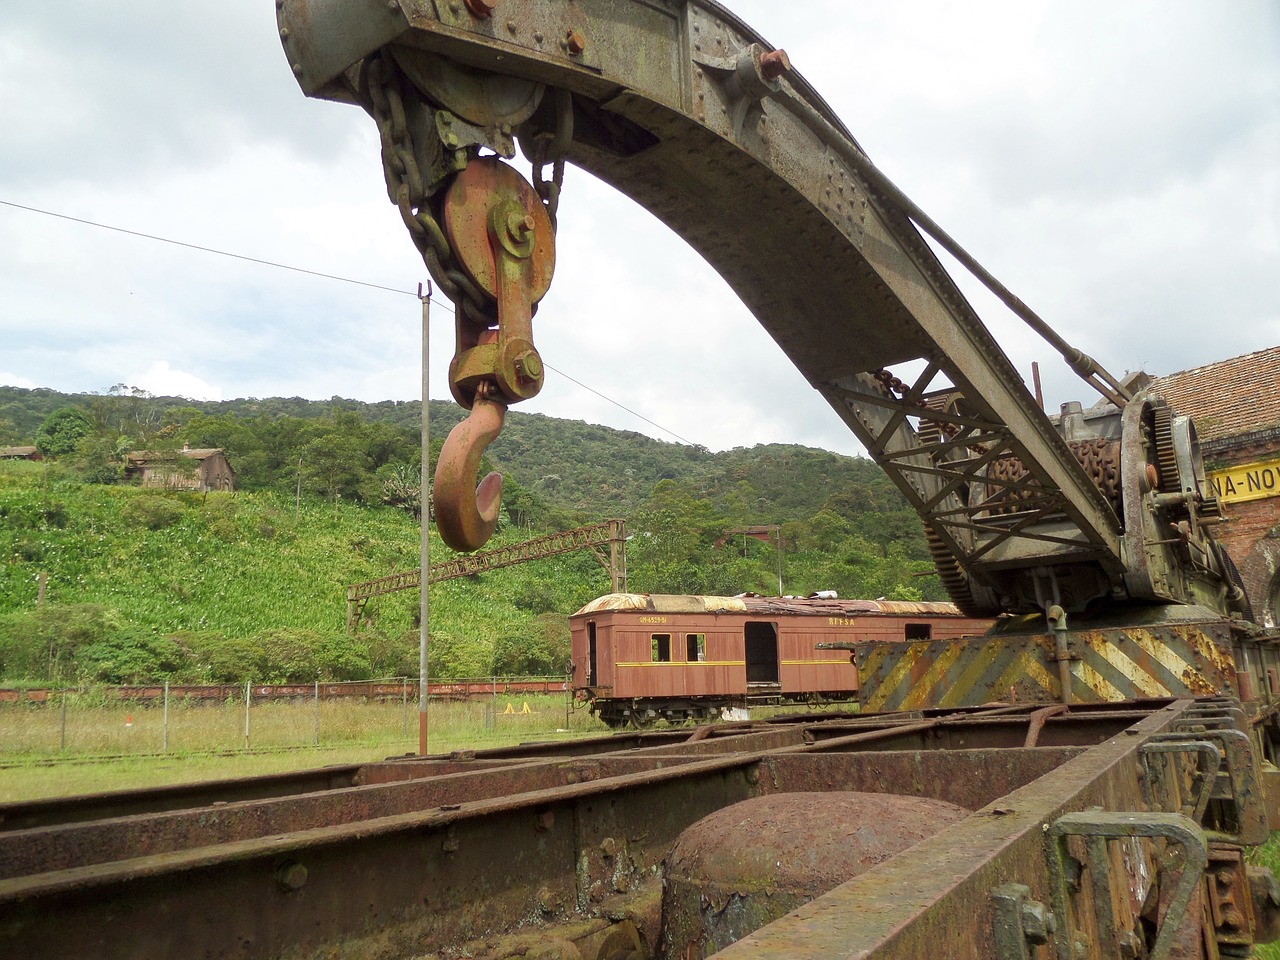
(591, 653)
(762, 651)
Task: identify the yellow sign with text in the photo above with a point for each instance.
(1249, 481)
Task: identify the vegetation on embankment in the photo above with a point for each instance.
(147, 585)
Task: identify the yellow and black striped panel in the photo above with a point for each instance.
(1109, 665)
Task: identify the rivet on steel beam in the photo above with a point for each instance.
(774, 63)
(544, 821)
(575, 42)
(291, 876)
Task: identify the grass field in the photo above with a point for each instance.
(113, 746)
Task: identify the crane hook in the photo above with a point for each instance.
(466, 516)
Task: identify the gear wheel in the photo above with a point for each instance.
(952, 575)
(1166, 455)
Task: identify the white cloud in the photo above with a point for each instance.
(1114, 165)
(162, 380)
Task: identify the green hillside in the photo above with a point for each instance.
(145, 585)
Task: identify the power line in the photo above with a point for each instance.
(196, 246)
(619, 405)
(327, 276)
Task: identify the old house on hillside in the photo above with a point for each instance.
(185, 469)
(20, 453)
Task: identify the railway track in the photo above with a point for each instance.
(454, 854)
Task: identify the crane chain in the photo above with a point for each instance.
(382, 86)
(384, 90)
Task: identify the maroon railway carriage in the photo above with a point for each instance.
(641, 657)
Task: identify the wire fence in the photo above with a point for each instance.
(105, 722)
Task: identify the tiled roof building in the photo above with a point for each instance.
(1228, 400)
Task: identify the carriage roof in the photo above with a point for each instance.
(758, 606)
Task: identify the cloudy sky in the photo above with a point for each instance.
(1117, 164)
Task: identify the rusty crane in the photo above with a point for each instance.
(1082, 783)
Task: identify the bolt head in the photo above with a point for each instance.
(528, 366)
(1038, 923)
(520, 225)
(481, 9)
(774, 63)
(548, 900)
(291, 876)
(575, 42)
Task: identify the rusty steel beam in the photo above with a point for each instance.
(611, 532)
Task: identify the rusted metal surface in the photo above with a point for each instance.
(1177, 652)
(446, 853)
(642, 657)
(467, 513)
(659, 603)
(751, 863)
(611, 532)
(922, 902)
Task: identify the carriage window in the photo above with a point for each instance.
(695, 647)
(661, 647)
(919, 631)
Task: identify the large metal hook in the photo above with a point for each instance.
(467, 515)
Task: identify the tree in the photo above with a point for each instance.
(675, 542)
(62, 430)
(336, 464)
(402, 487)
(126, 411)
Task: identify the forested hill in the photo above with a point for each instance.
(146, 584)
(564, 471)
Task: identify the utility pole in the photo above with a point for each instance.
(778, 528)
(424, 614)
